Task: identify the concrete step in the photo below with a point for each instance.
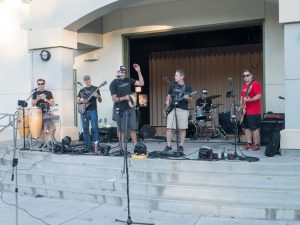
(229, 167)
(199, 179)
(207, 207)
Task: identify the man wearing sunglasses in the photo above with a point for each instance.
(42, 98)
(250, 102)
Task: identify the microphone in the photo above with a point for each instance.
(280, 97)
(34, 89)
(79, 83)
(164, 78)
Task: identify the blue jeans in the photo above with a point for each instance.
(85, 119)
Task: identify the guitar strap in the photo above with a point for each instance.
(247, 91)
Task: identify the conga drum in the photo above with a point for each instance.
(22, 125)
(35, 121)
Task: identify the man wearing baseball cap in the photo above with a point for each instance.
(120, 89)
(90, 114)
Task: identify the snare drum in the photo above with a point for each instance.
(35, 121)
(193, 129)
(21, 125)
(200, 114)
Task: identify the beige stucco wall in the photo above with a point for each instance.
(18, 62)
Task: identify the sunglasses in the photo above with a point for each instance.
(204, 93)
(40, 84)
(246, 75)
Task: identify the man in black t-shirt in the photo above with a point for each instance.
(120, 89)
(43, 99)
(178, 93)
(90, 113)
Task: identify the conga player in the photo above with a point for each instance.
(43, 99)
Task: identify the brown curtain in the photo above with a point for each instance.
(205, 68)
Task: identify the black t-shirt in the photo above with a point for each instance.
(179, 91)
(200, 102)
(85, 93)
(121, 88)
(41, 103)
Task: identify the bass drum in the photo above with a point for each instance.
(193, 129)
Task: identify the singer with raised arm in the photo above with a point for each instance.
(250, 106)
(120, 89)
(87, 101)
(178, 96)
(43, 99)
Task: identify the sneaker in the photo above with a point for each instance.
(255, 147)
(180, 148)
(247, 146)
(168, 148)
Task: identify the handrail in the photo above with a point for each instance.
(11, 119)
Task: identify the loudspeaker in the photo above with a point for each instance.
(226, 123)
(268, 127)
(147, 132)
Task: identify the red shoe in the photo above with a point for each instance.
(247, 146)
(255, 147)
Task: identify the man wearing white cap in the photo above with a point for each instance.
(120, 89)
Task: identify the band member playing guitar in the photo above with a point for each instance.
(120, 89)
(178, 90)
(251, 110)
(43, 99)
(89, 114)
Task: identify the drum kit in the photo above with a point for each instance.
(205, 123)
(35, 124)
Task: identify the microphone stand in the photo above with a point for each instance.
(14, 175)
(129, 220)
(233, 117)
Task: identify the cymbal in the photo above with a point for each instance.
(214, 96)
(213, 106)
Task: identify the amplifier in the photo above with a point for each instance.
(267, 129)
(273, 116)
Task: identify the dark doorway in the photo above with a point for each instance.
(141, 47)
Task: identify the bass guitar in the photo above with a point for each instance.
(243, 108)
(170, 107)
(82, 107)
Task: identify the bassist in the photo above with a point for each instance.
(90, 114)
(251, 110)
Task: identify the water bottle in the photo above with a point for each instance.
(100, 122)
(105, 122)
(96, 147)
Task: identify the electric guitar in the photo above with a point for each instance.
(170, 107)
(243, 108)
(82, 107)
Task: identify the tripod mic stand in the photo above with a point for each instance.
(129, 220)
(234, 118)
